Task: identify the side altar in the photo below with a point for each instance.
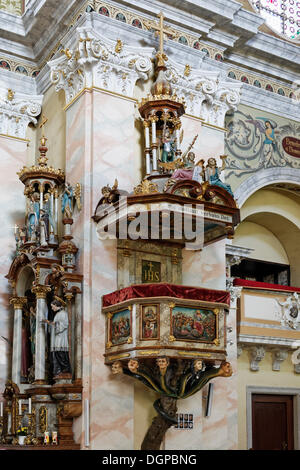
(44, 392)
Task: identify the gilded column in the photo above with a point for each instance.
(18, 304)
(40, 341)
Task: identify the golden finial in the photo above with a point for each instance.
(43, 149)
(42, 126)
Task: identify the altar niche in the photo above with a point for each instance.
(143, 262)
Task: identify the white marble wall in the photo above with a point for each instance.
(12, 205)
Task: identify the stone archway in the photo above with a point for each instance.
(264, 178)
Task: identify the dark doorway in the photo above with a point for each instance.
(272, 422)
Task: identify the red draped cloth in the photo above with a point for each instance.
(165, 290)
(263, 285)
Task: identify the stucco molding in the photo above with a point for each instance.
(91, 60)
(17, 110)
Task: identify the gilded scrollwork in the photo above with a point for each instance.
(43, 419)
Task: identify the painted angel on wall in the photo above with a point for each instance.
(266, 129)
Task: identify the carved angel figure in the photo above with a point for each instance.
(110, 195)
(212, 173)
(290, 311)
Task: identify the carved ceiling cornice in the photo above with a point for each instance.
(90, 60)
(223, 39)
(207, 94)
(17, 110)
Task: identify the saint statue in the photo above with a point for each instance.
(47, 208)
(212, 174)
(67, 201)
(44, 227)
(59, 342)
(33, 216)
(168, 146)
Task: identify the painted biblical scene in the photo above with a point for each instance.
(193, 324)
(120, 327)
(149, 322)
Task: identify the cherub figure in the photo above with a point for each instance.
(133, 365)
(109, 195)
(117, 367)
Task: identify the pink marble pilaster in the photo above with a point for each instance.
(100, 142)
(13, 153)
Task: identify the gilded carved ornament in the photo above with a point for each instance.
(18, 302)
(100, 63)
(43, 419)
(187, 70)
(40, 291)
(119, 46)
(146, 187)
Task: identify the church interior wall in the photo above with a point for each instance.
(98, 137)
(13, 157)
(264, 243)
(264, 377)
(53, 108)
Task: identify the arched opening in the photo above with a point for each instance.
(24, 281)
(270, 227)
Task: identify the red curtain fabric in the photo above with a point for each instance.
(263, 285)
(165, 290)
